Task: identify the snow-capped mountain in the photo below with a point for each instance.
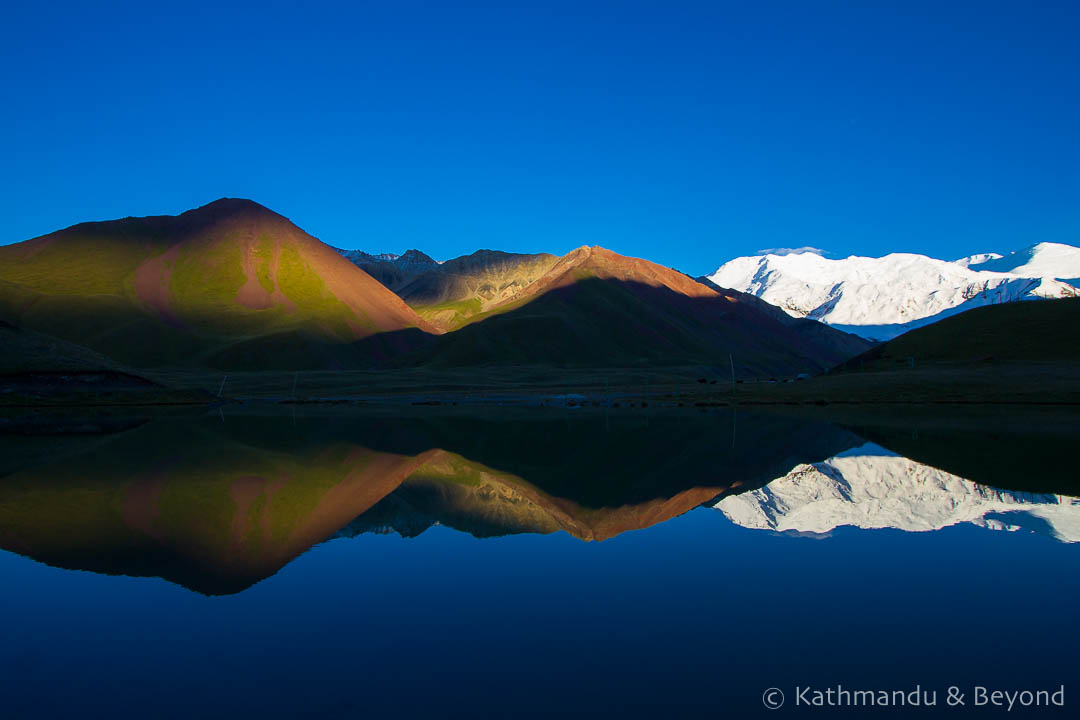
(1053, 260)
(977, 259)
(881, 298)
(869, 487)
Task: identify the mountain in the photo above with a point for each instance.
(881, 298)
(870, 487)
(391, 270)
(1026, 333)
(1053, 260)
(1022, 352)
(233, 285)
(594, 307)
(26, 351)
(451, 293)
(976, 259)
(461, 289)
(359, 256)
(227, 283)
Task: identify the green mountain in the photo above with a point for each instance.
(181, 290)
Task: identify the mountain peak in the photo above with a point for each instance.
(415, 256)
(230, 207)
(230, 203)
(1042, 260)
(882, 297)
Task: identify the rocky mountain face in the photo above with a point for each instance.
(393, 271)
(450, 294)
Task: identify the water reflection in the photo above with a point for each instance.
(218, 503)
(870, 487)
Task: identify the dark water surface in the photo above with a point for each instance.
(522, 562)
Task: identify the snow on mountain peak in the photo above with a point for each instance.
(1051, 260)
(977, 259)
(882, 297)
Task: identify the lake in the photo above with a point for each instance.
(376, 562)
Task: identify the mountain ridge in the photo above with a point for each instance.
(881, 297)
(594, 305)
(234, 285)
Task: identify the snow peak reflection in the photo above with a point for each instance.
(839, 697)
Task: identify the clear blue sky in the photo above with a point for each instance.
(687, 133)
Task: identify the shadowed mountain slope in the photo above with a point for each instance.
(597, 308)
(26, 351)
(393, 271)
(38, 370)
(1014, 333)
(450, 294)
(179, 289)
(453, 293)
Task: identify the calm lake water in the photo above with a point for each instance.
(528, 563)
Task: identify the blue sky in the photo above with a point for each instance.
(687, 133)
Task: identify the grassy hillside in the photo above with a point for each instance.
(26, 351)
(181, 290)
(1044, 331)
(38, 369)
(1017, 353)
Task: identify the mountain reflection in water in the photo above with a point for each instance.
(218, 503)
(870, 487)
